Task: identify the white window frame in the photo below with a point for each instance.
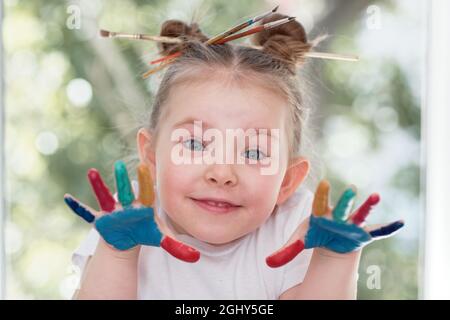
(435, 248)
(2, 171)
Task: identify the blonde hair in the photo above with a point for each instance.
(274, 67)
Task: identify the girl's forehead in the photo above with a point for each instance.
(220, 103)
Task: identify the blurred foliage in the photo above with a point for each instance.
(74, 101)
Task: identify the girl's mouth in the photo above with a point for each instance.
(216, 206)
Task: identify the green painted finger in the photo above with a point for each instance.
(124, 190)
(344, 205)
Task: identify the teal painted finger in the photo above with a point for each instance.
(344, 205)
(124, 190)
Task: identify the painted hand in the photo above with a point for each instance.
(335, 229)
(129, 222)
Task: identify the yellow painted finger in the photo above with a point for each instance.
(146, 192)
(320, 203)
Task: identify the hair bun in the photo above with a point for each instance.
(179, 29)
(287, 42)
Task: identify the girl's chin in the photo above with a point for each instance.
(213, 238)
(212, 235)
(220, 241)
(208, 235)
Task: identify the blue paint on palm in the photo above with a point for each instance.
(129, 227)
(335, 235)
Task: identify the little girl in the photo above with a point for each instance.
(223, 223)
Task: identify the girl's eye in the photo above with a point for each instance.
(193, 144)
(254, 154)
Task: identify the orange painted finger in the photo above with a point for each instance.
(320, 203)
(146, 192)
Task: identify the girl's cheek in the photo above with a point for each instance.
(262, 188)
(179, 178)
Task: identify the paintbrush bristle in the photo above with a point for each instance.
(105, 33)
(276, 8)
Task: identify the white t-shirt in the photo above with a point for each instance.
(236, 270)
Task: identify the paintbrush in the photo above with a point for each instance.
(137, 36)
(266, 26)
(224, 34)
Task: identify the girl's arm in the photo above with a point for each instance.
(337, 238)
(110, 274)
(330, 276)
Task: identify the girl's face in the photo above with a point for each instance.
(220, 201)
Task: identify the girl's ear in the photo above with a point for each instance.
(295, 174)
(146, 152)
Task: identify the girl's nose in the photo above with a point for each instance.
(221, 175)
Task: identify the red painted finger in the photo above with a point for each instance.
(363, 211)
(104, 197)
(291, 249)
(180, 250)
(285, 255)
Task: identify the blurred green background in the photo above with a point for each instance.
(74, 101)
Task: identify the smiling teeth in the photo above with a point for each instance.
(218, 204)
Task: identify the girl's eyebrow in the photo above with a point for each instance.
(191, 120)
(267, 132)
